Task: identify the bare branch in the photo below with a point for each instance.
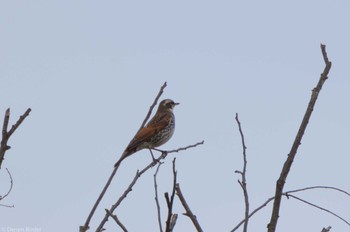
(316, 206)
(319, 187)
(137, 176)
(7, 134)
(85, 227)
(8, 206)
(324, 54)
(253, 212)
(5, 124)
(8, 192)
(288, 163)
(156, 198)
(11, 185)
(18, 123)
(187, 208)
(285, 194)
(169, 227)
(181, 148)
(116, 219)
(124, 195)
(326, 229)
(243, 183)
(153, 105)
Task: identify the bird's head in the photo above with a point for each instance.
(167, 105)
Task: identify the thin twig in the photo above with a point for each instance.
(8, 206)
(153, 105)
(137, 176)
(170, 201)
(188, 210)
(288, 163)
(19, 121)
(285, 194)
(156, 198)
(326, 229)
(116, 219)
(11, 185)
(253, 212)
(85, 227)
(5, 124)
(319, 187)
(129, 189)
(7, 134)
(243, 183)
(318, 207)
(181, 148)
(8, 192)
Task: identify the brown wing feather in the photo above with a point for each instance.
(155, 125)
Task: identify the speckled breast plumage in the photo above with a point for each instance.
(164, 135)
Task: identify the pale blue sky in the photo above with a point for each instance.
(90, 70)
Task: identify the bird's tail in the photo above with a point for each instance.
(122, 157)
(118, 162)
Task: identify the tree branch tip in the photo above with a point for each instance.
(28, 111)
(326, 229)
(7, 113)
(325, 56)
(84, 228)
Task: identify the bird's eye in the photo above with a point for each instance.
(170, 104)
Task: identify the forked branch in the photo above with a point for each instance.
(85, 227)
(7, 134)
(288, 193)
(188, 210)
(243, 182)
(297, 141)
(116, 219)
(137, 176)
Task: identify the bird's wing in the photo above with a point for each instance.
(155, 125)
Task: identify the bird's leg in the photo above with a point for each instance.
(154, 160)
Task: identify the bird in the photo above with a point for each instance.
(157, 132)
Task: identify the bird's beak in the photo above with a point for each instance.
(176, 103)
